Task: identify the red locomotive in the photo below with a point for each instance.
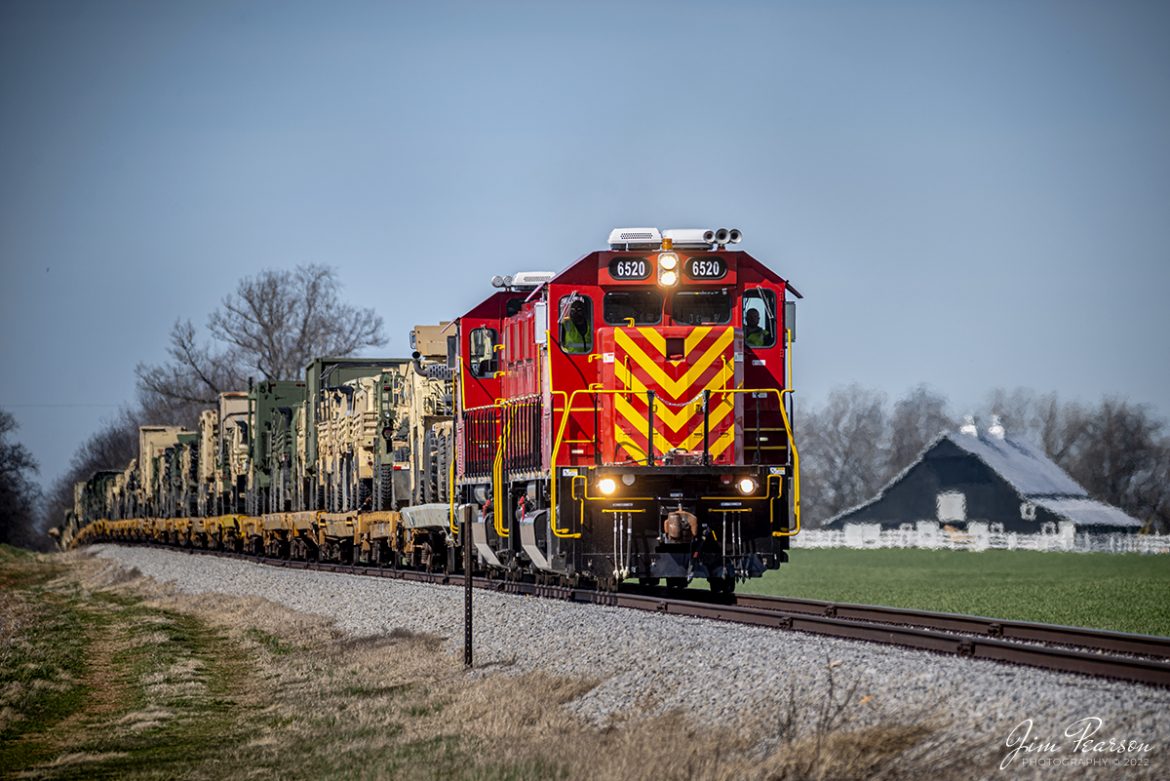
(630, 416)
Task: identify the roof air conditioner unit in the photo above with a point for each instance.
(635, 238)
(531, 279)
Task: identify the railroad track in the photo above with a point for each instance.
(1094, 652)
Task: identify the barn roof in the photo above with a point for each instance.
(1089, 512)
(1026, 467)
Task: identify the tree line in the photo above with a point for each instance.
(855, 442)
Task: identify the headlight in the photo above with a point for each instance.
(668, 278)
(607, 485)
(667, 261)
(746, 486)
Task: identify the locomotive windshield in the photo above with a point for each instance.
(701, 307)
(643, 306)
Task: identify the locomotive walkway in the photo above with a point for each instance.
(1099, 653)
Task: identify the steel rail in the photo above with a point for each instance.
(1004, 629)
(1028, 644)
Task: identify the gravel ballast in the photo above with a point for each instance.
(715, 672)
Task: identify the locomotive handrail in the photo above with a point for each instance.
(552, 513)
(498, 477)
(558, 441)
(451, 490)
(780, 394)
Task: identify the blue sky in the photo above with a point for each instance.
(969, 195)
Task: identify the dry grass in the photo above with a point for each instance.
(302, 700)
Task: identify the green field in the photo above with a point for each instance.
(1126, 592)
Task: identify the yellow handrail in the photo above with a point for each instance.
(557, 442)
(780, 394)
(788, 356)
(451, 487)
(498, 475)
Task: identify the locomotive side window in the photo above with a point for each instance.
(759, 317)
(576, 329)
(701, 307)
(644, 307)
(482, 360)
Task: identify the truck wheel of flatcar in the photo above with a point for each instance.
(649, 581)
(676, 582)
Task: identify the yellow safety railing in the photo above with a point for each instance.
(559, 440)
(498, 475)
(451, 488)
(780, 394)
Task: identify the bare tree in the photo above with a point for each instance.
(1120, 452)
(1149, 491)
(844, 452)
(1060, 427)
(271, 327)
(18, 494)
(279, 321)
(918, 418)
(194, 374)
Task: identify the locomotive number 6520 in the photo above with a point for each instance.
(629, 268)
(706, 268)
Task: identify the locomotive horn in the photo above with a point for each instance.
(721, 236)
(709, 236)
(734, 236)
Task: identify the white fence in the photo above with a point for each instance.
(977, 537)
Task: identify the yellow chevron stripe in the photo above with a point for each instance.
(673, 387)
(676, 419)
(656, 339)
(725, 441)
(718, 446)
(695, 439)
(695, 338)
(639, 423)
(623, 440)
(718, 413)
